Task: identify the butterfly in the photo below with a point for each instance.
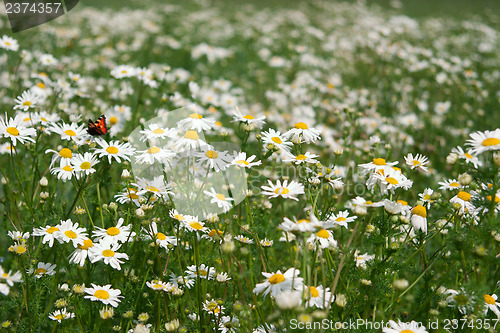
(99, 127)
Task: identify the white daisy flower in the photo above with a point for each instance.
(129, 195)
(220, 199)
(464, 200)
(484, 141)
(275, 138)
(322, 237)
(49, 234)
(467, 156)
(318, 296)
(244, 239)
(302, 225)
(9, 43)
(60, 315)
(77, 134)
(154, 154)
(276, 283)
(362, 259)
(26, 101)
(104, 294)
(15, 130)
(419, 218)
(155, 132)
(209, 158)
(255, 121)
(64, 155)
(70, 232)
(341, 219)
(196, 122)
(159, 238)
(285, 191)
(84, 164)
(418, 162)
(82, 252)
(490, 302)
(375, 165)
(450, 184)
(307, 157)
(10, 278)
(157, 285)
(119, 233)
(43, 269)
(115, 149)
(302, 132)
(157, 187)
(191, 223)
(400, 327)
(203, 271)
(240, 159)
(123, 71)
(63, 172)
(105, 251)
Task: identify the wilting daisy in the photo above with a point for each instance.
(467, 156)
(26, 101)
(82, 253)
(15, 130)
(70, 232)
(9, 43)
(220, 199)
(463, 199)
(154, 131)
(275, 138)
(213, 307)
(418, 162)
(397, 207)
(104, 294)
(106, 251)
(115, 149)
(84, 164)
(70, 132)
(119, 233)
(255, 121)
(307, 157)
(419, 218)
(43, 269)
(190, 140)
(160, 238)
(197, 122)
(203, 271)
(285, 191)
(484, 141)
(64, 155)
(323, 238)
(229, 324)
(154, 154)
(60, 315)
(302, 132)
(157, 187)
(277, 282)
(490, 302)
(318, 296)
(241, 160)
(362, 259)
(400, 327)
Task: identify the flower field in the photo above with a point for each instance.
(199, 167)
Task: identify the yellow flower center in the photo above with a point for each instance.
(341, 219)
(27, 103)
(303, 220)
(313, 291)
(68, 168)
(70, 234)
(152, 189)
(282, 190)
(277, 140)
(20, 249)
(158, 131)
(101, 294)
(113, 231)
(108, 253)
(249, 117)
(211, 154)
(407, 331)
(323, 233)
(65, 153)
(112, 150)
(161, 236)
(202, 272)
(301, 157)
(59, 317)
(40, 271)
(469, 156)
(191, 135)
(220, 197)
(416, 163)
(153, 150)
(86, 244)
(301, 125)
(196, 225)
(276, 278)
(379, 161)
(195, 116)
(51, 230)
(242, 162)
(419, 210)
(392, 181)
(454, 184)
(491, 142)
(12, 131)
(70, 132)
(158, 286)
(113, 120)
(464, 196)
(497, 198)
(85, 165)
(489, 300)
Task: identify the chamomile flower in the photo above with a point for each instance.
(318, 296)
(203, 271)
(240, 159)
(302, 132)
(10, 278)
(418, 162)
(341, 219)
(196, 122)
(84, 164)
(70, 232)
(64, 172)
(389, 180)
(9, 43)
(82, 252)
(213, 307)
(210, 158)
(104, 294)
(426, 197)
(15, 130)
(43, 269)
(190, 140)
(266, 242)
(191, 223)
(275, 138)
(69, 132)
(322, 238)
(155, 132)
(48, 232)
(129, 195)
(307, 157)
(464, 200)
(400, 327)
(375, 165)
(123, 71)
(27, 100)
(467, 156)
(160, 238)
(106, 251)
(284, 190)
(154, 154)
(419, 218)
(119, 233)
(302, 225)
(115, 150)
(157, 285)
(450, 184)
(255, 121)
(228, 324)
(490, 302)
(244, 239)
(64, 155)
(276, 283)
(60, 315)
(484, 141)
(220, 199)
(18, 235)
(362, 259)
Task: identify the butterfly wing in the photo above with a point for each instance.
(98, 127)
